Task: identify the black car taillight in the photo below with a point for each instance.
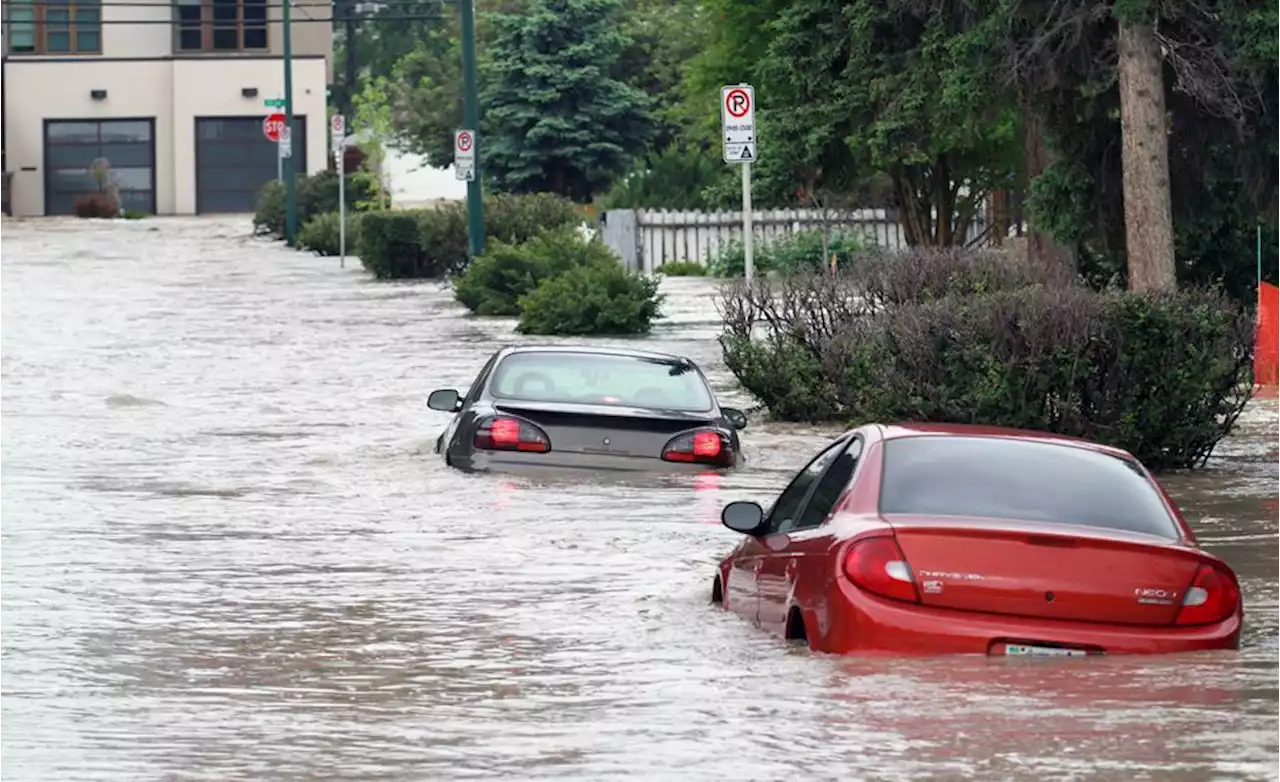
(510, 434)
(704, 447)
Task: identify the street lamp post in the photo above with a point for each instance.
(471, 119)
(290, 176)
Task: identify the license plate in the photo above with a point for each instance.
(1021, 650)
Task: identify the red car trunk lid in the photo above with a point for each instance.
(1046, 571)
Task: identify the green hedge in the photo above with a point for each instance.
(442, 245)
(683, 269)
(591, 299)
(495, 282)
(390, 245)
(317, 195)
(966, 338)
(793, 252)
(320, 233)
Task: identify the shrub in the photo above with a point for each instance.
(495, 282)
(320, 233)
(798, 251)
(97, 205)
(958, 341)
(268, 213)
(510, 219)
(595, 299)
(389, 245)
(317, 194)
(683, 269)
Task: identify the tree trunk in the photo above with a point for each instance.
(1148, 208)
(1055, 261)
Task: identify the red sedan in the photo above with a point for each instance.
(968, 539)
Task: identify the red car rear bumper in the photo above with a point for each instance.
(861, 622)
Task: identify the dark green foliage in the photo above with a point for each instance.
(671, 179)
(494, 283)
(317, 194)
(390, 246)
(320, 233)
(556, 118)
(268, 215)
(934, 338)
(507, 218)
(596, 299)
(682, 269)
(800, 250)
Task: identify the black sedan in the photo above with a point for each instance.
(597, 408)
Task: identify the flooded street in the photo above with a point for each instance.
(229, 554)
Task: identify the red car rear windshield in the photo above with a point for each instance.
(601, 378)
(1000, 478)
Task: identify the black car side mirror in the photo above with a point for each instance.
(736, 418)
(446, 400)
(743, 516)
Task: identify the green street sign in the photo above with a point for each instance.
(274, 103)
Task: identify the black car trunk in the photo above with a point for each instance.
(607, 429)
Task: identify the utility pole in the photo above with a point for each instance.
(471, 119)
(349, 107)
(290, 177)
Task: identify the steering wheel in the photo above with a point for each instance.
(548, 385)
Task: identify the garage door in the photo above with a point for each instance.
(72, 146)
(234, 160)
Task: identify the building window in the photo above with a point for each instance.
(221, 25)
(56, 27)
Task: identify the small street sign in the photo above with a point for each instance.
(286, 143)
(738, 120)
(273, 126)
(464, 155)
(274, 103)
(338, 126)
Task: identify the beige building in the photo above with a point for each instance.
(171, 92)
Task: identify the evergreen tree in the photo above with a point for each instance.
(556, 117)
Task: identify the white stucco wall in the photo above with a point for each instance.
(173, 91)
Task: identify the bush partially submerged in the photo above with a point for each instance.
(320, 233)
(682, 269)
(390, 245)
(317, 195)
(943, 338)
(510, 219)
(495, 282)
(101, 205)
(603, 299)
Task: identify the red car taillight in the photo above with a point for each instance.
(704, 447)
(511, 434)
(1213, 596)
(878, 566)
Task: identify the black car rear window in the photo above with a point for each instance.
(1003, 478)
(603, 379)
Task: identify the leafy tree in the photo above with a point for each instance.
(556, 118)
(903, 88)
(664, 37)
(376, 131)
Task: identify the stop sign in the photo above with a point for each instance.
(273, 126)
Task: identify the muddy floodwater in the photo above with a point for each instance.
(228, 554)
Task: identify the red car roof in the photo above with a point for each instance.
(909, 429)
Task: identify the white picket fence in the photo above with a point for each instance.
(646, 239)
